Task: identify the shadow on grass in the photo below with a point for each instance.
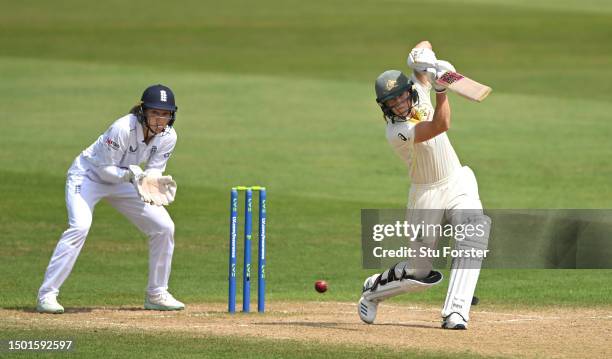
(327, 325)
(342, 326)
(77, 310)
(406, 325)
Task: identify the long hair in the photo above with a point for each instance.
(137, 110)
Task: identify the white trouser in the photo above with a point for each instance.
(82, 195)
(448, 200)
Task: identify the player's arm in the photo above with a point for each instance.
(113, 174)
(423, 45)
(440, 123)
(421, 58)
(109, 151)
(426, 67)
(156, 164)
(107, 154)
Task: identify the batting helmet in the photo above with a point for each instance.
(391, 84)
(159, 97)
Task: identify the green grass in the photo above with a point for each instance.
(103, 343)
(280, 93)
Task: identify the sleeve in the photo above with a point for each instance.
(107, 153)
(113, 174)
(401, 134)
(401, 137)
(158, 160)
(425, 87)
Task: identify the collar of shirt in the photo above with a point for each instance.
(139, 132)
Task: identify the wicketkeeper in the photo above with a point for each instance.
(109, 169)
(441, 191)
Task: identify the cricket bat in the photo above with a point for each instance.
(464, 86)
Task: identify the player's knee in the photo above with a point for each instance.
(76, 234)
(421, 272)
(167, 227)
(82, 229)
(416, 269)
(164, 227)
(479, 238)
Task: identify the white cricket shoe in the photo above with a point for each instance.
(367, 310)
(162, 301)
(454, 321)
(49, 304)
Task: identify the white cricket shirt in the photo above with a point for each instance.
(107, 159)
(429, 161)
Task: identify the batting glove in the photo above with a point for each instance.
(435, 73)
(420, 59)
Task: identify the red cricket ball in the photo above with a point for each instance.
(321, 286)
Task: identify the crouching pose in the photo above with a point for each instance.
(442, 191)
(109, 169)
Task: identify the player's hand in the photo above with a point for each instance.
(421, 59)
(136, 176)
(135, 173)
(160, 189)
(440, 69)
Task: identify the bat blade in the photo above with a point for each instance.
(464, 86)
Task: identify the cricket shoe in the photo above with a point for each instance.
(162, 301)
(454, 321)
(50, 305)
(367, 310)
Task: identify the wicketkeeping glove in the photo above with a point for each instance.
(160, 189)
(135, 177)
(153, 188)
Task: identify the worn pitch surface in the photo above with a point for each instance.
(567, 332)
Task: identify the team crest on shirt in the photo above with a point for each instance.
(112, 144)
(390, 84)
(153, 150)
(420, 113)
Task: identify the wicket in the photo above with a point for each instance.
(261, 262)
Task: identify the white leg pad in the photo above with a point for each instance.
(465, 272)
(380, 287)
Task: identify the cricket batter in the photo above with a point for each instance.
(109, 169)
(442, 191)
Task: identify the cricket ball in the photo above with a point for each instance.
(321, 286)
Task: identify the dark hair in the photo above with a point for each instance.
(136, 110)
